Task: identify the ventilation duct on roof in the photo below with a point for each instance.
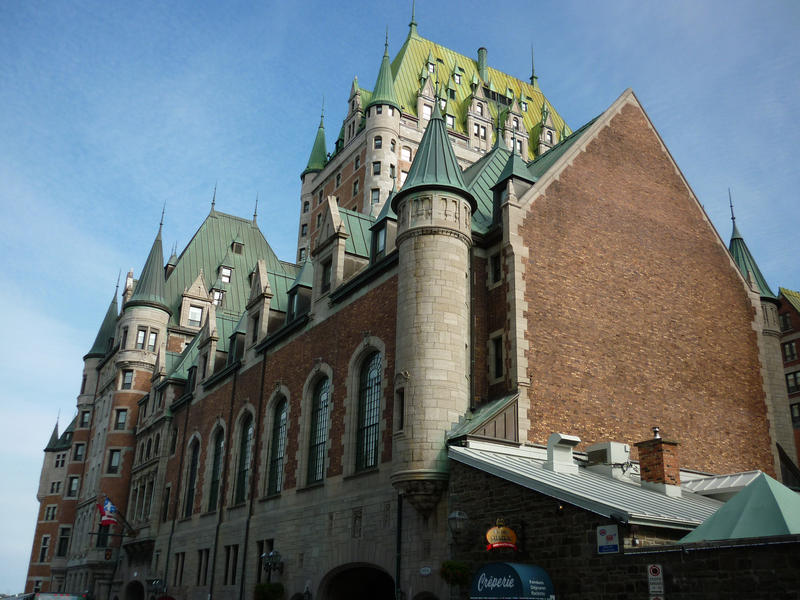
(559, 453)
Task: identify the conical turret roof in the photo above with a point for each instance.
(53, 438)
(435, 165)
(319, 156)
(384, 86)
(150, 287)
(746, 263)
(106, 331)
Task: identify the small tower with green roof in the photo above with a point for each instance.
(382, 140)
(434, 217)
(308, 179)
(769, 342)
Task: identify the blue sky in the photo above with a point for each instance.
(108, 110)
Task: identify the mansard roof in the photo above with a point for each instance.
(746, 263)
(413, 57)
(106, 331)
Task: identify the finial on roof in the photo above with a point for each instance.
(116, 290)
(413, 24)
(730, 200)
(255, 211)
(163, 210)
(322, 112)
(386, 43)
(214, 197)
(533, 70)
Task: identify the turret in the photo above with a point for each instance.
(382, 138)
(434, 216)
(103, 345)
(768, 328)
(308, 178)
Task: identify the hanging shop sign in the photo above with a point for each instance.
(512, 581)
(501, 536)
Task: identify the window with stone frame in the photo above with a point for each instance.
(152, 338)
(195, 316)
(84, 422)
(127, 379)
(277, 446)
(191, 478)
(327, 271)
(114, 457)
(120, 419)
(377, 142)
(63, 540)
(369, 412)
(72, 487)
(43, 548)
(245, 458)
(376, 168)
(789, 351)
(217, 449)
(140, 335)
(785, 320)
(793, 382)
(318, 438)
(405, 153)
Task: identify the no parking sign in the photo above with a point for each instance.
(655, 582)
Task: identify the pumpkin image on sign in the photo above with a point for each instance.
(501, 536)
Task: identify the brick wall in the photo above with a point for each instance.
(636, 316)
(562, 540)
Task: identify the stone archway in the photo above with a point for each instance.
(134, 591)
(357, 582)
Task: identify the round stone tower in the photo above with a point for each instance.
(382, 129)
(434, 216)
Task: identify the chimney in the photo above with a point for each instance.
(609, 458)
(559, 453)
(658, 465)
(483, 67)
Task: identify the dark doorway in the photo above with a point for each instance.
(134, 591)
(360, 583)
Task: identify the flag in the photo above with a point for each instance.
(108, 512)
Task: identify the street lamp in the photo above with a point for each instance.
(457, 522)
(272, 562)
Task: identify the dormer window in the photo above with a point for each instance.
(380, 243)
(516, 124)
(292, 308)
(427, 111)
(549, 137)
(457, 77)
(442, 103)
(217, 296)
(238, 247)
(523, 106)
(431, 67)
(450, 121)
(195, 316)
(480, 109)
(326, 276)
(225, 274)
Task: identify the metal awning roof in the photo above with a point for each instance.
(591, 491)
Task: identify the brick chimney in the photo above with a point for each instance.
(658, 465)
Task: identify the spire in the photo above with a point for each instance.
(213, 199)
(435, 164)
(412, 26)
(53, 438)
(318, 157)
(745, 261)
(107, 328)
(534, 78)
(150, 287)
(383, 92)
(255, 210)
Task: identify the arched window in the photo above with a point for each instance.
(369, 412)
(149, 449)
(191, 480)
(245, 450)
(157, 444)
(278, 446)
(319, 431)
(377, 143)
(216, 469)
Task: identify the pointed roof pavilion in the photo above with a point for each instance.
(435, 165)
(106, 332)
(150, 287)
(745, 261)
(319, 156)
(384, 93)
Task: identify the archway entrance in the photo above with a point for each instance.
(359, 583)
(134, 591)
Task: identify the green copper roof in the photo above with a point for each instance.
(386, 211)
(384, 86)
(207, 250)
(62, 442)
(53, 438)
(411, 62)
(792, 297)
(516, 167)
(150, 287)
(305, 277)
(357, 225)
(764, 508)
(480, 177)
(106, 331)
(435, 164)
(539, 167)
(746, 263)
(319, 155)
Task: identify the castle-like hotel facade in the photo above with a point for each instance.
(466, 265)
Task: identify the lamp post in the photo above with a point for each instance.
(272, 562)
(457, 523)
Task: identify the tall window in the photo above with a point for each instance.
(216, 469)
(195, 316)
(319, 431)
(63, 541)
(127, 379)
(121, 418)
(113, 461)
(43, 548)
(378, 142)
(151, 340)
(277, 447)
(245, 450)
(369, 409)
(140, 333)
(192, 479)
